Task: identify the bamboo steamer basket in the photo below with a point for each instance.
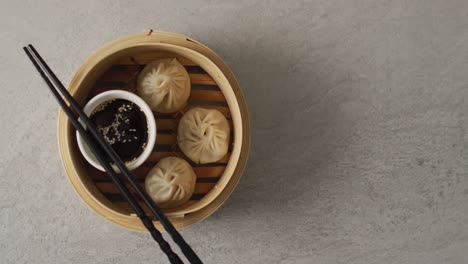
(115, 66)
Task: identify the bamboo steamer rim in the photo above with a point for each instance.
(237, 104)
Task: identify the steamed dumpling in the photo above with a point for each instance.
(203, 135)
(164, 84)
(171, 182)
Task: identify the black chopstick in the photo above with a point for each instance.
(165, 247)
(185, 248)
(93, 132)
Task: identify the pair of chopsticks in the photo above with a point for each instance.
(102, 150)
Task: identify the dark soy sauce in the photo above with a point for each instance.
(123, 125)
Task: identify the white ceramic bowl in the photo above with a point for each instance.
(117, 94)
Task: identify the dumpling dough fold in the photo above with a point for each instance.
(171, 182)
(203, 135)
(164, 85)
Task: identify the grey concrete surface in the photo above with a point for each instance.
(359, 124)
